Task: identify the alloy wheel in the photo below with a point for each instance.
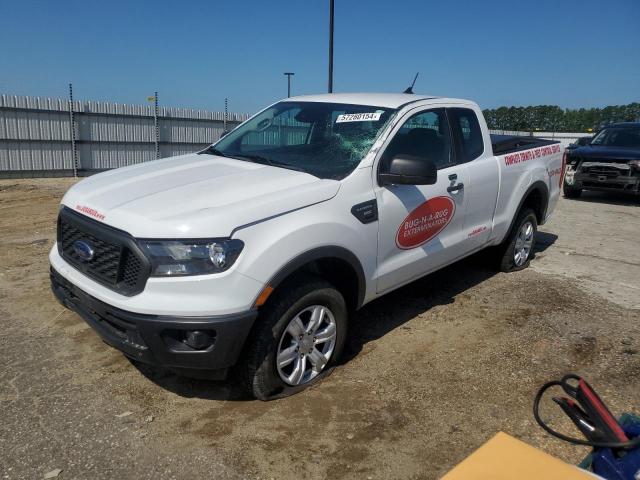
(524, 242)
(306, 345)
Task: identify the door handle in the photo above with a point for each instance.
(453, 176)
(455, 188)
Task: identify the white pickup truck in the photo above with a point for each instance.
(251, 253)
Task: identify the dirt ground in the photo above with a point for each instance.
(432, 370)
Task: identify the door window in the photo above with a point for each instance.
(425, 135)
(467, 129)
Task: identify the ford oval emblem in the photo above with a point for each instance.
(84, 250)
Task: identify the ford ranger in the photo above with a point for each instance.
(251, 254)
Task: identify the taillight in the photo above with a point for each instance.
(564, 168)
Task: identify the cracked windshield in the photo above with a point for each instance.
(327, 140)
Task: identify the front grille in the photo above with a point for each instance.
(609, 172)
(116, 261)
(107, 256)
(132, 269)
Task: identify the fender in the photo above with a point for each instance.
(329, 251)
(544, 191)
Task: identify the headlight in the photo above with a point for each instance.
(191, 257)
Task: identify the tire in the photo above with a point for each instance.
(302, 297)
(571, 192)
(508, 261)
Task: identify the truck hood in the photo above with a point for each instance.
(605, 154)
(194, 196)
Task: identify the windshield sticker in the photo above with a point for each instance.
(359, 117)
(425, 222)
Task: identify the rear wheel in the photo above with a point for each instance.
(297, 339)
(517, 249)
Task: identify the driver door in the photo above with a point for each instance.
(421, 227)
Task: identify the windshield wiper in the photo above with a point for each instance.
(253, 158)
(288, 166)
(266, 161)
(214, 151)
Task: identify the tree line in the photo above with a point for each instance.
(551, 118)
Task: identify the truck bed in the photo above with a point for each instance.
(504, 144)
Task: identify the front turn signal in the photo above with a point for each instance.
(264, 295)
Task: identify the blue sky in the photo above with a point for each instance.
(496, 52)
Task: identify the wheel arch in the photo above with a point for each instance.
(535, 197)
(337, 265)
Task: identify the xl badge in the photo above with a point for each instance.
(84, 250)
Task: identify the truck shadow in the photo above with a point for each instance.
(611, 198)
(191, 387)
(381, 316)
(371, 323)
(543, 241)
(392, 311)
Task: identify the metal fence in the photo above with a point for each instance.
(37, 137)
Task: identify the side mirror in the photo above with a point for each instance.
(410, 170)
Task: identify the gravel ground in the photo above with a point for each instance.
(432, 370)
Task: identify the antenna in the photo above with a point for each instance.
(410, 89)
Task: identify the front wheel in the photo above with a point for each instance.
(297, 339)
(517, 249)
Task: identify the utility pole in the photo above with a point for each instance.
(331, 46)
(288, 74)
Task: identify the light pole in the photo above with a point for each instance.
(331, 46)
(288, 74)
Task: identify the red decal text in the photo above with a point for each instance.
(425, 222)
(531, 154)
(90, 211)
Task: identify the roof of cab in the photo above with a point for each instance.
(386, 100)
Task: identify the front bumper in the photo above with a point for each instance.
(624, 181)
(160, 340)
